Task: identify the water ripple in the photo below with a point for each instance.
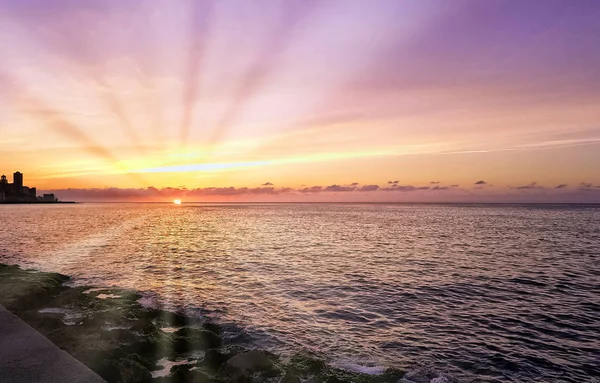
(491, 293)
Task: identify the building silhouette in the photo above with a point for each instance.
(18, 183)
(4, 187)
(17, 192)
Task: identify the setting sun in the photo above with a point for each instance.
(177, 202)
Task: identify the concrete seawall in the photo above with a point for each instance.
(27, 356)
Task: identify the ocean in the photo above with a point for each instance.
(493, 293)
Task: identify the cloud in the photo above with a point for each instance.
(480, 183)
(267, 184)
(587, 186)
(151, 192)
(313, 189)
(369, 188)
(354, 184)
(393, 182)
(586, 192)
(434, 182)
(410, 188)
(338, 188)
(401, 188)
(531, 186)
(237, 191)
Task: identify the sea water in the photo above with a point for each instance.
(485, 292)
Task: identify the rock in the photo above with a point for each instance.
(184, 374)
(143, 325)
(189, 339)
(214, 359)
(132, 372)
(291, 377)
(214, 328)
(248, 362)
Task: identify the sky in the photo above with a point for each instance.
(349, 100)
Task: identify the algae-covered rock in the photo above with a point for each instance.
(249, 362)
(133, 372)
(183, 374)
(291, 377)
(196, 339)
(109, 331)
(25, 289)
(214, 359)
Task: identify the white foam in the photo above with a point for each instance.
(355, 367)
(52, 310)
(110, 328)
(70, 317)
(166, 365)
(105, 296)
(170, 330)
(149, 302)
(94, 290)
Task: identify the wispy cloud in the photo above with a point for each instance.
(339, 188)
(531, 186)
(366, 188)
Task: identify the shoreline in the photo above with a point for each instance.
(112, 333)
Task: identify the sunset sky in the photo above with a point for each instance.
(418, 100)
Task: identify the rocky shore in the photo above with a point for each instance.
(123, 341)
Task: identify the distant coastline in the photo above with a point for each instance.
(17, 193)
(35, 202)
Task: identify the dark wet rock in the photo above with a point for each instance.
(197, 339)
(52, 320)
(68, 296)
(307, 365)
(183, 374)
(212, 327)
(169, 319)
(133, 372)
(23, 289)
(249, 362)
(148, 347)
(214, 359)
(142, 325)
(291, 377)
(120, 336)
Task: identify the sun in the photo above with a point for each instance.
(177, 202)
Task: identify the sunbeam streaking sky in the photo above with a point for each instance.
(106, 95)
